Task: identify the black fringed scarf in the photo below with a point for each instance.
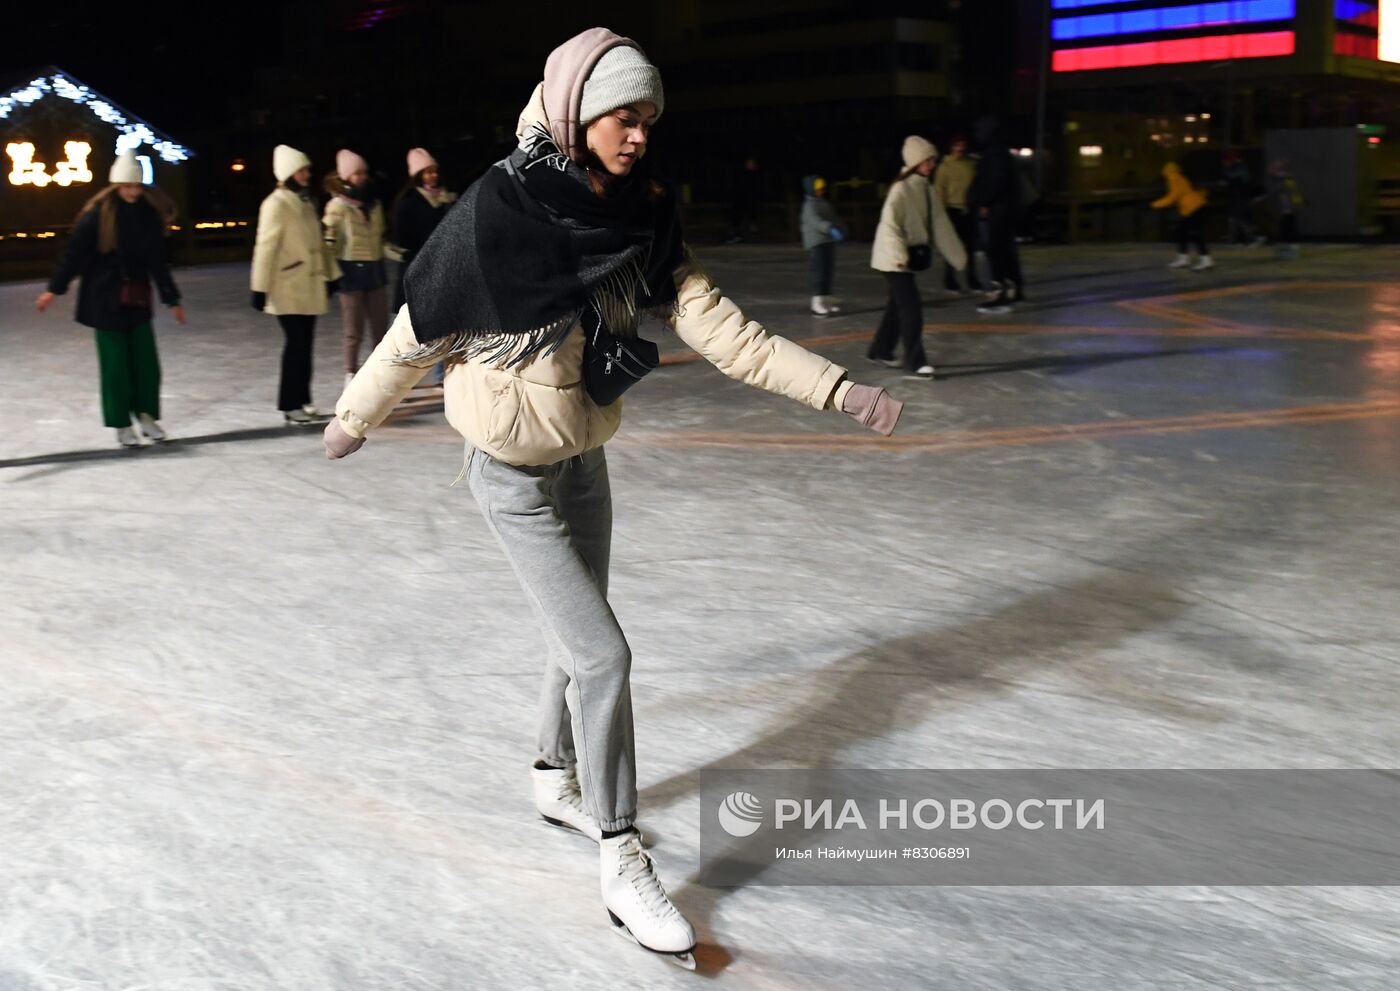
(509, 271)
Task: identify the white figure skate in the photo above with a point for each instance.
(637, 904)
(560, 801)
(150, 427)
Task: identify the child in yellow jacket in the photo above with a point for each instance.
(1190, 205)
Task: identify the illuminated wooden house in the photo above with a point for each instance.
(59, 139)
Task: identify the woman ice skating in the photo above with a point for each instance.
(912, 223)
(1190, 205)
(117, 248)
(354, 230)
(532, 289)
(821, 230)
(290, 272)
(419, 207)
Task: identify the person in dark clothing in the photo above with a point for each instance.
(748, 196)
(1239, 200)
(420, 205)
(116, 249)
(994, 198)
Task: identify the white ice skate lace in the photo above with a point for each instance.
(569, 792)
(634, 864)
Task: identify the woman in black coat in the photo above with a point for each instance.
(117, 248)
(420, 205)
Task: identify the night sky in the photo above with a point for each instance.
(173, 64)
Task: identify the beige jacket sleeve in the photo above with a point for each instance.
(333, 222)
(265, 244)
(945, 237)
(381, 383)
(713, 326)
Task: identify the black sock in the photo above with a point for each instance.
(610, 833)
(544, 765)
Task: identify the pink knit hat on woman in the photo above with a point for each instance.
(418, 160)
(347, 163)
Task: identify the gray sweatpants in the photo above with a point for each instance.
(555, 524)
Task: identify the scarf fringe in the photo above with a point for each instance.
(615, 299)
(491, 347)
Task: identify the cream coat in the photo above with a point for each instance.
(904, 220)
(539, 412)
(351, 235)
(290, 263)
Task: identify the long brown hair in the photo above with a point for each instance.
(105, 202)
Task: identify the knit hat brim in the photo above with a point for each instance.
(623, 76)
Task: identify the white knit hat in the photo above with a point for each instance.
(622, 76)
(917, 150)
(287, 161)
(125, 169)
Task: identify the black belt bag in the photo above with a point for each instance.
(612, 364)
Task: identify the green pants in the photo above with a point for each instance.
(130, 374)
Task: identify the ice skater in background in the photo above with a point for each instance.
(292, 273)
(1284, 198)
(1190, 203)
(531, 288)
(821, 230)
(418, 209)
(912, 224)
(951, 183)
(116, 250)
(354, 230)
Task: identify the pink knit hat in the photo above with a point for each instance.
(418, 160)
(347, 163)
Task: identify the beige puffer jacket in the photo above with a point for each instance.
(290, 263)
(351, 236)
(539, 412)
(904, 220)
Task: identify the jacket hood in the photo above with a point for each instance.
(1171, 169)
(565, 71)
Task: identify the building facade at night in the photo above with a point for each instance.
(59, 139)
(1141, 82)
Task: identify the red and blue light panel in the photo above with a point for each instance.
(1195, 15)
(1162, 34)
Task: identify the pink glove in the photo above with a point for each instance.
(873, 407)
(339, 443)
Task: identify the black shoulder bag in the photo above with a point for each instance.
(612, 364)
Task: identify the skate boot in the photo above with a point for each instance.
(126, 437)
(1203, 264)
(560, 802)
(150, 427)
(637, 904)
(1182, 261)
(297, 417)
(819, 306)
(1000, 304)
(833, 305)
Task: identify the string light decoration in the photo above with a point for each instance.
(132, 133)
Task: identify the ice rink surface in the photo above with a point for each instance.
(267, 720)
